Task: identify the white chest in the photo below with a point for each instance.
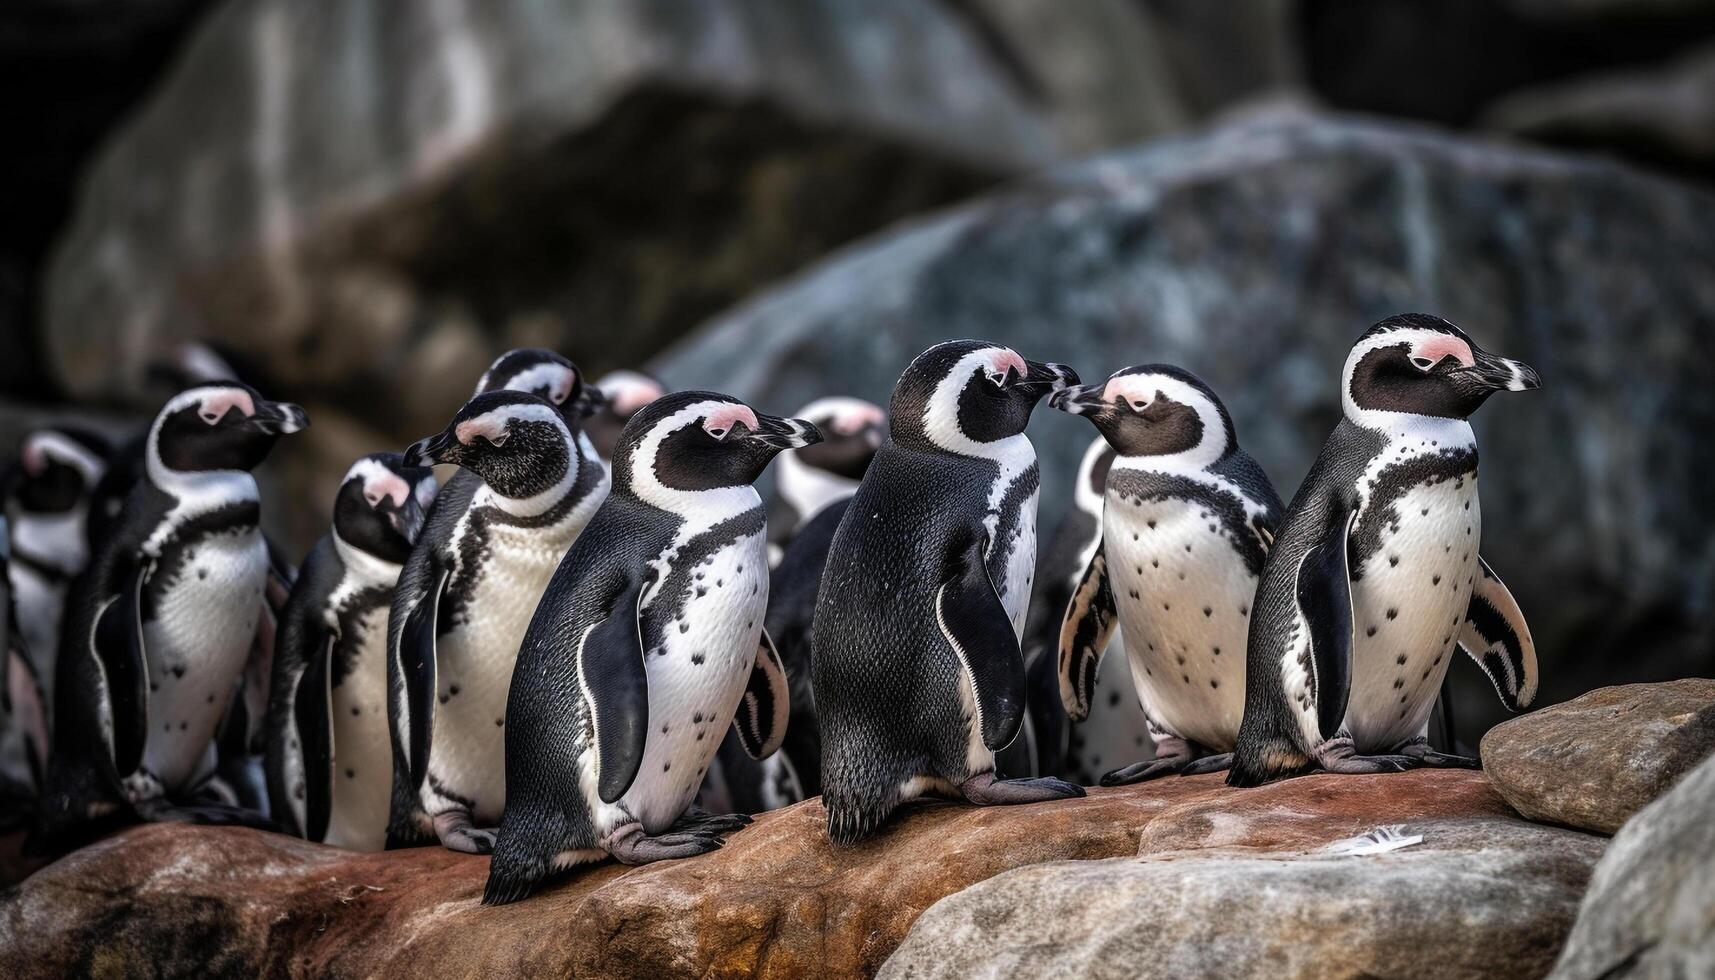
(362, 759)
(1184, 596)
(1407, 609)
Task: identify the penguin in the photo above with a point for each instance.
(1187, 519)
(497, 531)
(329, 755)
(828, 472)
(24, 731)
(624, 393)
(915, 657)
(46, 501)
(1375, 577)
(648, 643)
(1114, 728)
(161, 625)
(811, 488)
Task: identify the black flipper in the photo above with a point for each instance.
(416, 659)
(761, 718)
(1084, 635)
(119, 649)
(616, 688)
(975, 624)
(1496, 636)
(313, 710)
(1324, 592)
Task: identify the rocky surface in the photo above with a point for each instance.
(777, 900)
(1594, 761)
(1650, 909)
(1253, 254)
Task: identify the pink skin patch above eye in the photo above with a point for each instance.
(720, 419)
(34, 456)
(1002, 358)
(214, 406)
(1441, 345)
(855, 419)
(385, 486)
(490, 427)
(1130, 388)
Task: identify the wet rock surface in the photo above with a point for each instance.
(1596, 760)
(777, 900)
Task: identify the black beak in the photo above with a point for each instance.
(1497, 373)
(1079, 399)
(280, 418)
(1055, 377)
(438, 448)
(589, 401)
(772, 430)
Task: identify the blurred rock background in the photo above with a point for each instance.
(363, 202)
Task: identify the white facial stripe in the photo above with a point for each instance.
(379, 482)
(426, 490)
(627, 392)
(720, 500)
(41, 448)
(1413, 338)
(492, 424)
(557, 378)
(941, 415)
(215, 404)
(723, 415)
(842, 415)
(1145, 387)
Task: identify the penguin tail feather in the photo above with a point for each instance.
(1255, 764)
(511, 882)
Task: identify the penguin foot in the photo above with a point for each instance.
(1208, 764)
(457, 833)
(696, 819)
(1420, 751)
(1148, 769)
(984, 789)
(161, 810)
(630, 845)
(1339, 755)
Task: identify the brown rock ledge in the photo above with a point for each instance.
(778, 900)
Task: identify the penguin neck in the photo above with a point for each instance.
(580, 454)
(51, 541)
(1405, 428)
(197, 491)
(697, 508)
(363, 568)
(1086, 495)
(808, 489)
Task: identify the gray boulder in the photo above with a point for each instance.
(1476, 898)
(1594, 761)
(1650, 910)
(1254, 253)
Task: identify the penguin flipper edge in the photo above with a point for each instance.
(615, 685)
(1324, 595)
(975, 623)
(119, 649)
(1497, 637)
(1084, 634)
(416, 660)
(761, 719)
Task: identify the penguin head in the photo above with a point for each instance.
(223, 425)
(1416, 364)
(1155, 410)
(852, 430)
(55, 471)
(965, 395)
(517, 442)
(624, 394)
(381, 505)
(691, 441)
(548, 376)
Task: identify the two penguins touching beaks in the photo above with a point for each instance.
(541, 659)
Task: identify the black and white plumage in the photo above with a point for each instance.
(916, 662)
(647, 644)
(1187, 520)
(1375, 578)
(624, 394)
(46, 499)
(24, 730)
(496, 532)
(329, 754)
(828, 472)
(167, 617)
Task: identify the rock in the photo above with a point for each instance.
(1660, 114)
(777, 900)
(1594, 761)
(1487, 897)
(1650, 910)
(1254, 253)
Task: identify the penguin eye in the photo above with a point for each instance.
(500, 439)
(373, 498)
(717, 433)
(211, 417)
(1138, 406)
(1423, 363)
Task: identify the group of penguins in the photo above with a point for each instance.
(594, 640)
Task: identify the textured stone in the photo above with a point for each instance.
(1254, 253)
(1594, 761)
(777, 900)
(1650, 910)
